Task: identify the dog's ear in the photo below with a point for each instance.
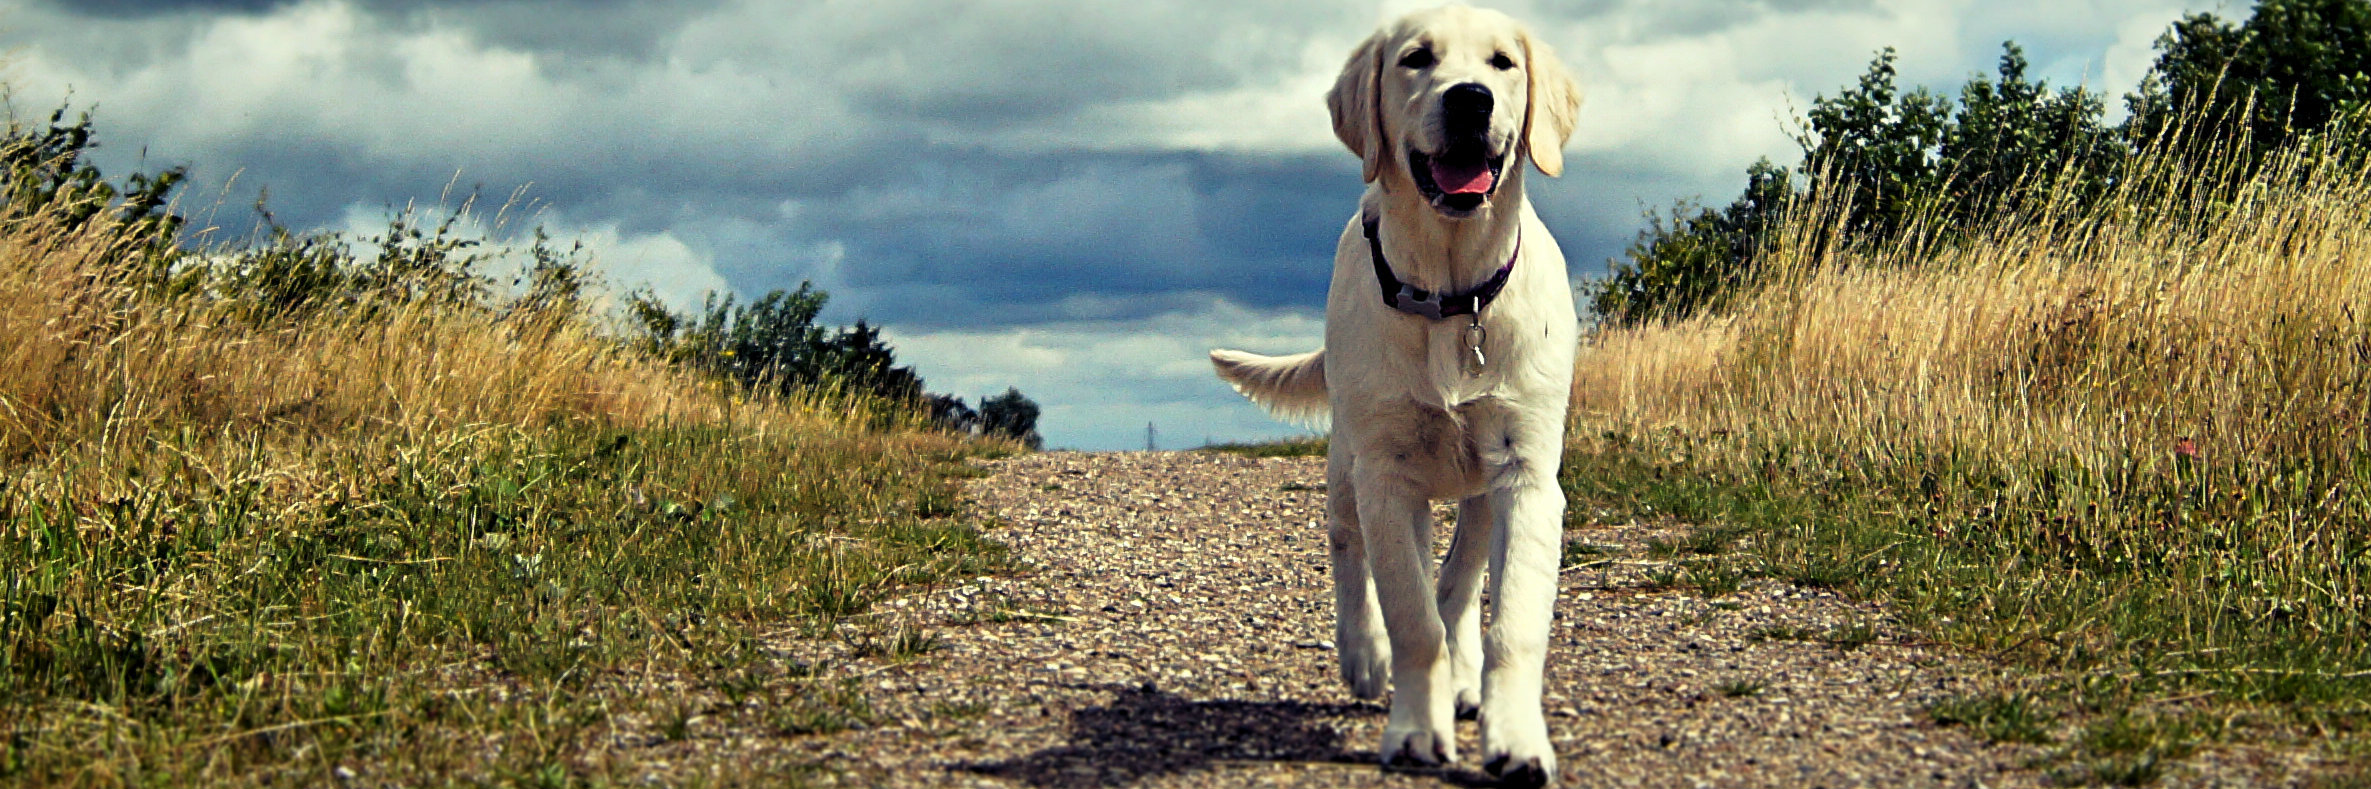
(1356, 103)
(1553, 108)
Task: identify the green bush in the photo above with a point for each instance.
(47, 172)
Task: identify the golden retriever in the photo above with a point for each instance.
(1447, 365)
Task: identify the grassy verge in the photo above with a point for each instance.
(2120, 448)
(2136, 651)
(404, 541)
(1313, 446)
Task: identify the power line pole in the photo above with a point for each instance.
(1150, 444)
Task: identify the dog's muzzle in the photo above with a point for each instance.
(1463, 175)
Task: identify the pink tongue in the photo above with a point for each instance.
(1461, 179)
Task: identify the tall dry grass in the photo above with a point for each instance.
(250, 548)
(2120, 440)
(93, 361)
(2230, 317)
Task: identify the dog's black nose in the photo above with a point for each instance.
(1468, 101)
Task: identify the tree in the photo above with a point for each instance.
(1011, 415)
(1921, 159)
(1879, 145)
(2294, 66)
(774, 344)
(949, 412)
(2014, 134)
(1688, 264)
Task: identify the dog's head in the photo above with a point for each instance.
(1445, 98)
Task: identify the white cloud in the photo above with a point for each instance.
(1100, 382)
(2133, 54)
(669, 268)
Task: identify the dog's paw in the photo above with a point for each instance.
(1516, 751)
(1366, 659)
(1415, 747)
(1465, 678)
(1525, 773)
(1366, 668)
(1468, 701)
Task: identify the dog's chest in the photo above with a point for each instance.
(1449, 453)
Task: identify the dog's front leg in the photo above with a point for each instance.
(1460, 598)
(1523, 563)
(1397, 526)
(1359, 638)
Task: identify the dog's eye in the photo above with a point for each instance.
(1421, 58)
(1501, 62)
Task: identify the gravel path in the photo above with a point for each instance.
(1170, 631)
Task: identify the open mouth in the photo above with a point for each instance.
(1458, 180)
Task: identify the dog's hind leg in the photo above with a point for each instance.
(1359, 639)
(1460, 599)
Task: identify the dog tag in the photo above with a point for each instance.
(1475, 335)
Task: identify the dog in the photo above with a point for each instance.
(1447, 366)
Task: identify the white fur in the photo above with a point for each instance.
(1291, 387)
(1410, 425)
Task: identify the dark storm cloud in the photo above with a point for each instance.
(1664, 18)
(944, 236)
(623, 27)
(1017, 238)
(551, 11)
(144, 8)
(979, 66)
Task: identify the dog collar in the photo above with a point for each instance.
(1435, 306)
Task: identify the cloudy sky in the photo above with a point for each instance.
(1075, 197)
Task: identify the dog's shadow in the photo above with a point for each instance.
(1143, 733)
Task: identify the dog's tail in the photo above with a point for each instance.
(1290, 387)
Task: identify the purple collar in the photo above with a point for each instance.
(1435, 306)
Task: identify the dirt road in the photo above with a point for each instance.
(1172, 631)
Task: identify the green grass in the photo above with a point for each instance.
(1312, 446)
(1715, 578)
(1710, 578)
(1701, 539)
(819, 708)
(227, 608)
(2133, 748)
(2113, 598)
(1741, 688)
(1997, 717)
(1844, 638)
(1578, 553)
(899, 644)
